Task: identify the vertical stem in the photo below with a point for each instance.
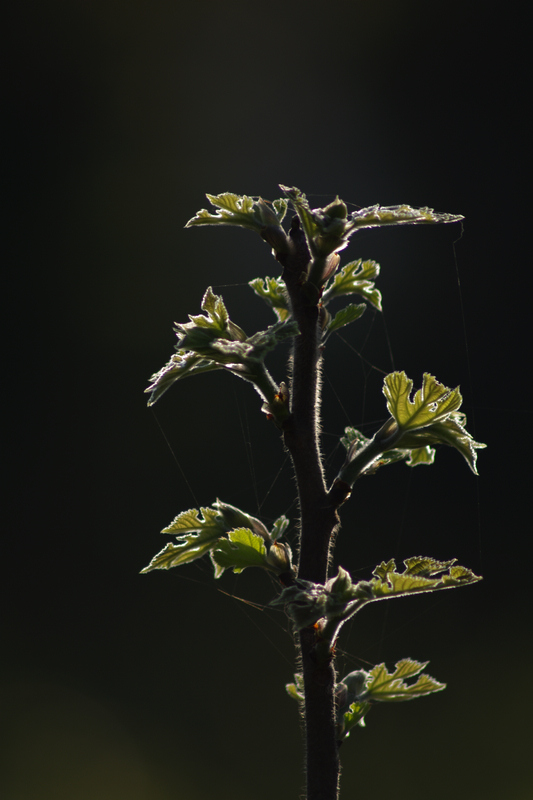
(318, 519)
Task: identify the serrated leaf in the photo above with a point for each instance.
(273, 292)
(375, 216)
(432, 403)
(212, 341)
(203, 328)
(357, 277)
(231, 203)
(217, 315)
(241, 549)
(346, 315)
(182, 364)
(328, 230)
(426, 567)
(241, 211)
(383, 686)
(421, 575)
(201, 520)
(175, 555)
(233, 209)
(198, 532)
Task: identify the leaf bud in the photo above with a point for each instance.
(280, 557)
(268, 216)
(355, 683)
(336, 209)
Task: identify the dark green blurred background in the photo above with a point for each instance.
(116, 686)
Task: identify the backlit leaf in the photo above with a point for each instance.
(198, 532)
(241, 549)
(375, 216)
(346, 315)
(357, 277)
(181, 365)
(279, 528)
(273, 292)
(202, 520)
(383, 686)
(232, 210)
(242, 211)
(432, 403)
(354, 716)
(421, 575)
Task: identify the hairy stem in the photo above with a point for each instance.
(318, 519)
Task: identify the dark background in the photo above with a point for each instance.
(120, 117)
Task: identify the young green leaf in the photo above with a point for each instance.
(197, 535)
(241, 549)
(348, 314)
(296, 689)
(357, 277)
(242, 211)
(212, 341)
(354, 716)
(181, 365)
(383, 686)
(432, 403)
(416, 445)
(203, 520)
(419, 455)
(273, 292)
(339, 599)
(327, 230)
(351, 710)
(358, 690)
(451, 431)
(422, 574)
(375, 216)
(279, 527)
(203, 329)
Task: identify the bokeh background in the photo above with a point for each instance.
(120, 116)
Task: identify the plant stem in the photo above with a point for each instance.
(318, 519)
